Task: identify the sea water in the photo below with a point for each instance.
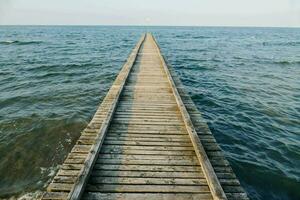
(245, 81)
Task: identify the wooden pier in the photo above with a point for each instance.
(147, 140)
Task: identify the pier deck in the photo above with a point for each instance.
(147, 140)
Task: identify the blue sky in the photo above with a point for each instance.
(152, 12)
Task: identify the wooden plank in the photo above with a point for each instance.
(60, 187)
(148, 135)
(147, 114)
(148, 123)
(144, 139)
(154, 104)
(109, 173)
(67, 166)
(147, 181)
(63, 172)
(148, 127)
(152, 111)
(147, 188)
(146, 152)
(149, 196)
(148, 162)
(149, 105)
(147, 120)
(129, 116)
(64, 179)
(141, 143)
(151, 148)
(146, 157)
(152, 168)
(74, 161)
(55, 195)
(146, 131)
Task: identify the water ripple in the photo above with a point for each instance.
(244, 80)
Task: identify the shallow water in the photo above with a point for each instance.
(246, 82)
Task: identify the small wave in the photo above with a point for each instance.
(287, 62)
(186, 37)
(183, 36)
(289, 43)
(194, 50)
(6, 73)
(201, 37)
(187, 60)
(238, 57)
(18, 42)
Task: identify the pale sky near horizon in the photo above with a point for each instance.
(284, 13)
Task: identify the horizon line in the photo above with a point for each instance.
(140, 25)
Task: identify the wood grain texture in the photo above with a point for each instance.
(145, 141)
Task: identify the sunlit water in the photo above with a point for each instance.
(246, 82)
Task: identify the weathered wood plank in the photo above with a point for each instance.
(148, 162)
(148, 188)
(60, 187)
(146, 152)
(148, 181)
(107, 173)
(149, 196)
(148, 135)
(153, 168)
(146, 157)
(144, 139)
(151, 148)
(146, 131)
(55, 195)
(142, 143)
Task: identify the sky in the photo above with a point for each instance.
(274, 13)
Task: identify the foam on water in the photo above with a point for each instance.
(17, 42)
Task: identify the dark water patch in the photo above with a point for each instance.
(255, 174)
(38, 146)
(183, 36)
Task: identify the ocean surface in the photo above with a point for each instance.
(245, 81)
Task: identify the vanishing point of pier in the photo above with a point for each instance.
(147, 140)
